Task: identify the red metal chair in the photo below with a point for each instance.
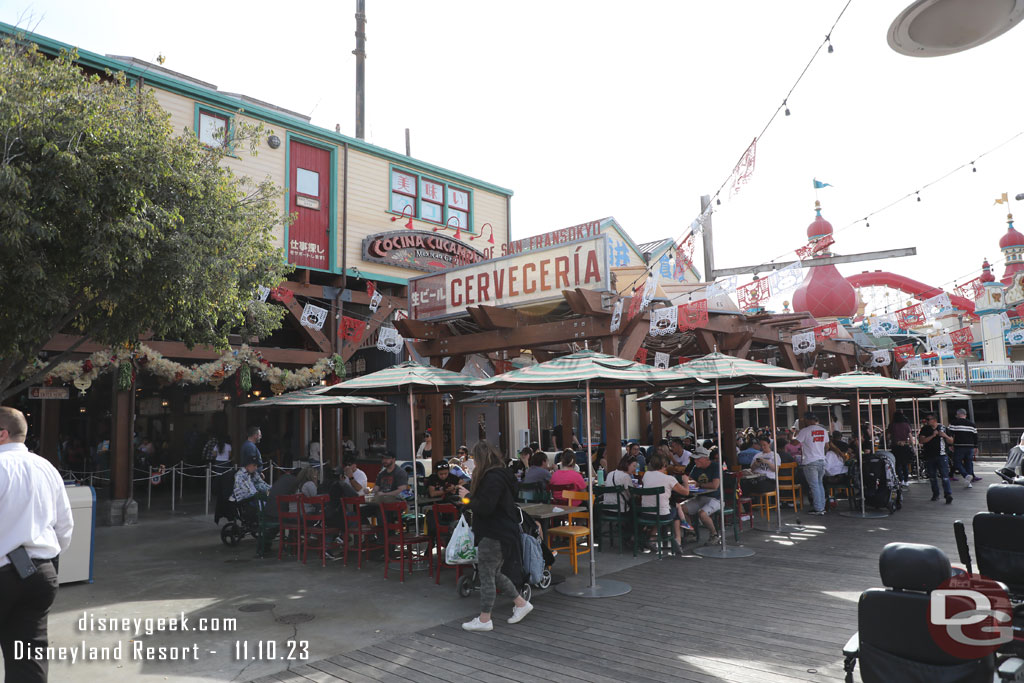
(357, 529)
(315, 532)
(289, 521)
(442, 532)
(393, 527)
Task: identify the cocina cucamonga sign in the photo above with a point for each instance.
(530, 277)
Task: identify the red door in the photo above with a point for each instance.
(309, 198)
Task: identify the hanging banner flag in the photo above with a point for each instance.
(351, 329)
(371, 288)
(650, 288)
(1002, 199)
(785, 279)
(1005, 317)
(880, 358)
(389, 340)
(1015, 337)
(936, 305)
(815, 247)
(941, 343)
(641, 356)
(910, 316)
(913, 362)
(818, 185)
(634, 304)
(804, 342)
(262, 293)
(375, 297)
(753, 294)
(961, 350)
(616, 316)
(661, 360)
(726, 286)
(692, 316)
(663, 321)
(281, 294)
(970, 290)
(827, 331)
(684, 257)
(313, 317)
(744, 167)
(962, 336)
(903, 353)
(929, 355)
(883, 325)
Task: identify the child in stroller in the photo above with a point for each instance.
(525, 569)
(242, 520)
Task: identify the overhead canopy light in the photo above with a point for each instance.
(932, 28)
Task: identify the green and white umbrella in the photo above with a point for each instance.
(718, 367)
(585, 370)
(307, 398)
(412, 378)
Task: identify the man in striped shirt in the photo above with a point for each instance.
(965, 447)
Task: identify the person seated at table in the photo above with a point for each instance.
(392, 479)
(565, 461)
(442, 483)
(467, 461)
(747, 453)
(285, 484)
(707, 475)
(623, 476)
(338, 487)
(633, 451)
(762, 470)
(249, 484)
(519, 466)
(678, 453)
(657, 476)
(791, 452)
(309, 481)
(354, 476)
(836, 443)
(567, 474)
(538, 471)
(599, 461)
(836, 467)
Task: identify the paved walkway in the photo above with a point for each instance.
(781, 615)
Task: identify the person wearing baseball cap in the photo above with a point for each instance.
(392, 479)
(249, 482)
(442, 483)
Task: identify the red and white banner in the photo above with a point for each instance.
(910, 316)
(753, 294)
(961, 350)
(744, 167)
(962, 336)
(903, 353)
(827, 331)
(684, 257)
(351, 329)
(692, 316)
(815, 247)
(641, 355)
(970, 290)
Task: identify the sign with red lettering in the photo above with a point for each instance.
(529, 278)
(553, 238)
(418, 250)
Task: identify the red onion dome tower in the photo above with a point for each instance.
(825, 293)
(986, 272)
(1012, 246)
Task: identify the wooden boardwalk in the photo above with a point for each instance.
(781, 615)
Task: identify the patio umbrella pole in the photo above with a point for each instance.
(863, 514)
(885, 445)
(607, 588)
(415, 481)
(538, 424)
(775, 443)
(722, 552)
(917, 428)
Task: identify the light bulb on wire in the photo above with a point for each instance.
(918, 196)
(974, 169)
(786, 106)
(828, 39)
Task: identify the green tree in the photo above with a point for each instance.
(112, 226)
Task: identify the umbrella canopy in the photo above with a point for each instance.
(723, 368)
(600, 370)
(307, 398)
(405, 377)
(876, 385)
(517, 395)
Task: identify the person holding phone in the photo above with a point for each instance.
(37, 528)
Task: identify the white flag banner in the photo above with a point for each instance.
(650, 287)
(941, 343)
(1004, 316)
(375, 301)
(389, 340)
(616, 316)
(726, 286)
(936, 305)
(661, 360)
(883, 325)
(664, 321)
(262, 293)
(313, 317)
(914, 362)
(803, 342)
(785, 279)
(880, 358)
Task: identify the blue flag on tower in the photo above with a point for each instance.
(819, 185)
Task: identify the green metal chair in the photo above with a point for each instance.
(536, 492)
(608, 513)
(649, 517)
(731, 504)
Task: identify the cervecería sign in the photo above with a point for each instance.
(530, 277)
(418, 250)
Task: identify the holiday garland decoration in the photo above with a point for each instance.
(241, 361)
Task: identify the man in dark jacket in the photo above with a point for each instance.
(965, 447)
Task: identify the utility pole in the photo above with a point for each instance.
(360, 53)
(967, 374)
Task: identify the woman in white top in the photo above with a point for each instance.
(224, 450)
(308, 478)
(657, 477)
(622, 476)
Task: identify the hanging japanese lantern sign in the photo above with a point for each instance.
(692, 316)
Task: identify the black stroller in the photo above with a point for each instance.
(881, 489)
(513, 566)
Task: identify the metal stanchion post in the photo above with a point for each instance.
(181, 480)
(174, 483)
(149, 490)
(207, 489)
(272, 472)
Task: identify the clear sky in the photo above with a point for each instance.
(591, 108)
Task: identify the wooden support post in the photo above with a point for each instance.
(612, 427)
(122, 448)
(49, 431)
(656, 430)
(727, 414)
(645, 420)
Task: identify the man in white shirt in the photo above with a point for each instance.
(354, 476)
(813, 438)
(680, 456)
(36, 528)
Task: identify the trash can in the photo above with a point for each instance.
(76, 561)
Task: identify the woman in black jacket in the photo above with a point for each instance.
(495, 531)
